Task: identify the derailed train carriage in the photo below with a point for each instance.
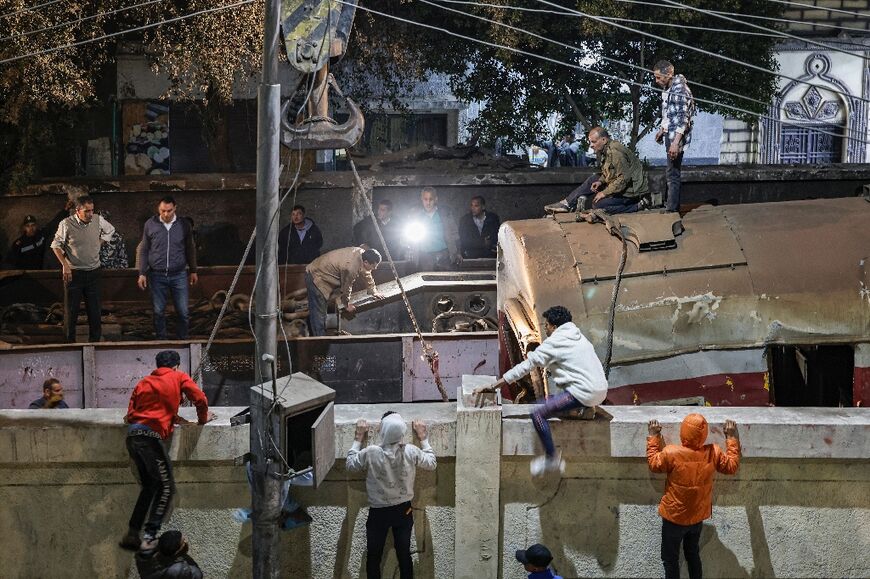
(743, 305)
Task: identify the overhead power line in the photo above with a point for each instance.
(582, 68)
(122, 32)
(614, 18)
(30, 8)
(575, 48)
(757, 27)
(703, 51)
(80, 20)
(825, 8)
(773, 33)
(757, 17)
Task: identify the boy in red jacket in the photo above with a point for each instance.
(152, 415)
(688, 498)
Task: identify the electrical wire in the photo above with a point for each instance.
(74, 22)
(759, 27)
(262, 253)
(705, 52)
(577, 49)
(756, 17)
(30, 8)
(605, 58)
(771, 34)
(825, 8)
(595, 72)
(122, 32)
(614, 18)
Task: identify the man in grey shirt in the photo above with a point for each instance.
(77, 247)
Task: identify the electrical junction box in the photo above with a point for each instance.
(301, 414)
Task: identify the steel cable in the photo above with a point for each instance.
(429, 353)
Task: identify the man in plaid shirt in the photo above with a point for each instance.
(675, 127)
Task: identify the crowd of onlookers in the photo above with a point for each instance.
(84, 242)
(566, 151)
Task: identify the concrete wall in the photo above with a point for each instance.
(797, 507)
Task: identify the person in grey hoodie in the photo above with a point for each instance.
(300, 241)
(390, 479)
(576, 372)
(167, 262)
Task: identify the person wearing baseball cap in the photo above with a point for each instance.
(536, 560)
(28, 251)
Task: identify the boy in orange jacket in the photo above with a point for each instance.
(688, 498)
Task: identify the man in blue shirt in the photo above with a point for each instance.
(52, 396)
(536, 560)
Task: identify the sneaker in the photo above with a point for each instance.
(560, 207)
(130, 542)
(242, 515)
(544, 464)
(644, 204)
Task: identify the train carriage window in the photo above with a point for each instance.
(811, 375)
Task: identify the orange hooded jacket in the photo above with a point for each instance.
(688, 497)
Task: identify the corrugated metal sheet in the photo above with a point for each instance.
(740, 276)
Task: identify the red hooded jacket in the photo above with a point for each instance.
(688, 497)
(156, 398)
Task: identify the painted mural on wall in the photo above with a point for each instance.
(146, 138)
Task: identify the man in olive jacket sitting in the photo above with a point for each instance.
(619, 188)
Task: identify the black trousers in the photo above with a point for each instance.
(84, 284)
(690, 536)
(154, 471)
(400, 518)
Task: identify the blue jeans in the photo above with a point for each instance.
(316, 308)
(551, 407)
(613, 204)
(672, 173)
(162, 286)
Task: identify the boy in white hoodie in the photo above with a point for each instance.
(574, 368)
(390, 485)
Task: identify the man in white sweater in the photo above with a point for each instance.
(574, 369)
(392, 468)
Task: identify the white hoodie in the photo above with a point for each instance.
(572, 363)
(391, 464)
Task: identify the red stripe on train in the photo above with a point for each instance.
(861, 387)
(747, 389)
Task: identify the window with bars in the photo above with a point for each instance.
(811, 144)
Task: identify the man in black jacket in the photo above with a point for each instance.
(28, 251)
(169, 561)
(167, 263)
(299, 242)
(364, 233)
(478, 231)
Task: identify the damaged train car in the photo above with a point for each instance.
(743, 305)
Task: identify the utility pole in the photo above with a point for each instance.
(266, 487)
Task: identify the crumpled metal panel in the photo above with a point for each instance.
(741, 276)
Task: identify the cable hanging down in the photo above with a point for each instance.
(429, 352)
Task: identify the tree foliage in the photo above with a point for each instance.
(520, 87)
(205, 55)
